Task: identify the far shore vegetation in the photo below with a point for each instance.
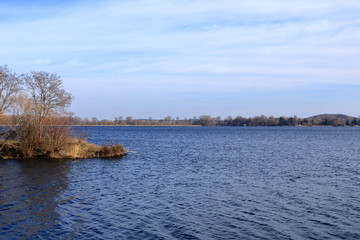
(35, 123)
(324, 120)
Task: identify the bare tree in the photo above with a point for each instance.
(40, 116)
(47, 93)
(10, 85)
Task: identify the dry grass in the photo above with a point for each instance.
(33, 140)
(74, 148)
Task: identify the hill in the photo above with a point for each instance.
(337, 116)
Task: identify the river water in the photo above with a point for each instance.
(191, 183)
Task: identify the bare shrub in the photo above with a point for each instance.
(52, 140)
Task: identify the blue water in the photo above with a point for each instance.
(191, 183)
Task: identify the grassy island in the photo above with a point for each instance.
(75, 148)
(33, 120)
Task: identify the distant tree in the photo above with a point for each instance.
(272, 121)
(239, 121)
(206, 120)
(296, 120)
(229, 118)
(291, 121)
(217, 120)
(77, 120)
(118, 120)
(95, 120)
(326, 122)
(129, 120)
(168, 118)
(259, 120)
(283, 121)
(228, 121)
(10, 86)
(354, 122)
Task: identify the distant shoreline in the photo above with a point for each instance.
(135, 125)
(208, 120)
(322, 126)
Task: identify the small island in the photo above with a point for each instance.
(74, 148)
(35, 122)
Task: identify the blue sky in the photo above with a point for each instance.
(154, 58)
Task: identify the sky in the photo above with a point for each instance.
(185, 58)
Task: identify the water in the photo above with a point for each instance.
(191, 183)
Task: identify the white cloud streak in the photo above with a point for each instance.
(239, 44)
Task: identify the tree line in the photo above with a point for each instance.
(208, 120)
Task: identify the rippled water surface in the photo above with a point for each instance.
(191, 183)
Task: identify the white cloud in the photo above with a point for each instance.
(303, 42)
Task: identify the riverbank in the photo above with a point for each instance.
(75, 148)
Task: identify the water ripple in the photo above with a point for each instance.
(191, 183)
